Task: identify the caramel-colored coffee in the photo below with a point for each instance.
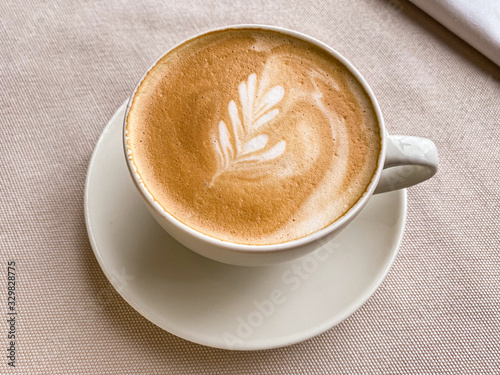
(253, 136)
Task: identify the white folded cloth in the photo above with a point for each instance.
(475, 21)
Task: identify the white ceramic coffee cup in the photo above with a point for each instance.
(403, 161)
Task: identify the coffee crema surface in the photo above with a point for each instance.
(253, 136)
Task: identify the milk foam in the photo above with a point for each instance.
(249, 151)
(253, 136)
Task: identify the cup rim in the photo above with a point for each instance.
(277, 247)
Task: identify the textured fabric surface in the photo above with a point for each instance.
(476, 22)
(64, 69)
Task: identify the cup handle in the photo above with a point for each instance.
(408, 161)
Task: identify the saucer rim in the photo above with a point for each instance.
(266, 344)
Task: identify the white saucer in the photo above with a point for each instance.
(219, 305)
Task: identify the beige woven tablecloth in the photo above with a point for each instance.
(64, 69)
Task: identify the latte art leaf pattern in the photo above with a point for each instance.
(249, 148)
